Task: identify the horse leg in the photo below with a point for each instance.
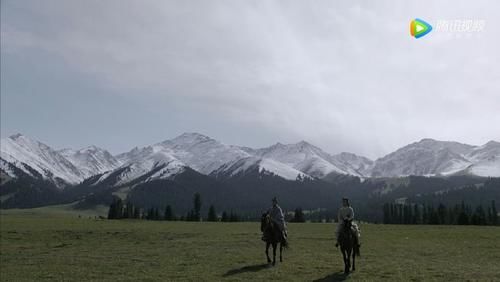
(348, 265)
(346, 269)
(274, 253)
(281, 250)
(353, 260)
(267, 252)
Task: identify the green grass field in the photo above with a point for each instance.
(46, 245)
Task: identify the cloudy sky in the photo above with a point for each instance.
(343, 75)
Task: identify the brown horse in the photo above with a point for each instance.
(348, 245)
(272, 236)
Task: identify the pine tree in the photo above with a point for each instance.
(112, 210)
(481, 215)
(407, 214)
(137, 213)
(190, 216)
(197, 207)
(463, 219)
(169, 214)
(416, 215)
(129, 211)
(425, 215)
(392, 213)
(151, 214)
(212, 216)
(119, 208)
(157, 214)
(400, 214)
(233, 217)
(386, 213)
(450, 218)
(434, 216)
(494, 213)
(125, 211)
(224, 217)
(441, 214)
(298, 215)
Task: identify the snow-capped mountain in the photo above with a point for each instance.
(208, 156)
(170, 157)
(151, 163)
(33, 157)
(262, 165)
(306, 158)
(361, 165)
(91, 160)
(203, 153)
(485, 159)
(195, 150)
(426, 157)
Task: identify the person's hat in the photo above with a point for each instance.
(345, 199)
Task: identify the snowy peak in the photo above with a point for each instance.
(144, 164)
(91, 160)
(157, 167)
(490, 149)
(426, 157)
(31, 155)
(16, 136)
(306, 158)
(262, 166)
(435, 145)
(360, 164)
(486, 160)
(211, 157)
(202, 153)
(190, 138)
(193, 150)
(127, 156)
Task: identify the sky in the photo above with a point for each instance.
(342, 75)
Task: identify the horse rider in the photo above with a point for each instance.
(278, 218)
(346, 212)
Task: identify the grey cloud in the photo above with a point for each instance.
(345, 76)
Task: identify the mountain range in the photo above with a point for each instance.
(207, 156)
(33, 173)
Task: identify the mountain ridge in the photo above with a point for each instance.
(427, 157)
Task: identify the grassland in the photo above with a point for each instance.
(46, 245)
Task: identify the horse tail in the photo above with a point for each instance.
(356, 248)
(285, 244)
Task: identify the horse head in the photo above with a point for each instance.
(347, 224)
(264, 221)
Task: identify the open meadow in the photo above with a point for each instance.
(45, 245)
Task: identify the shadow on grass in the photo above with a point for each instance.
(249, 268)
(339, 276)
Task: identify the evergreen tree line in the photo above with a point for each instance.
(119, 209)
(460, 214)
(298, 216)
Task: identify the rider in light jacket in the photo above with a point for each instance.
(277, 216)
(345, 212)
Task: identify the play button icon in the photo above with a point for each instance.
(419, 28)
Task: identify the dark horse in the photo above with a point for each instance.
(348, 245)
(272, 236)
